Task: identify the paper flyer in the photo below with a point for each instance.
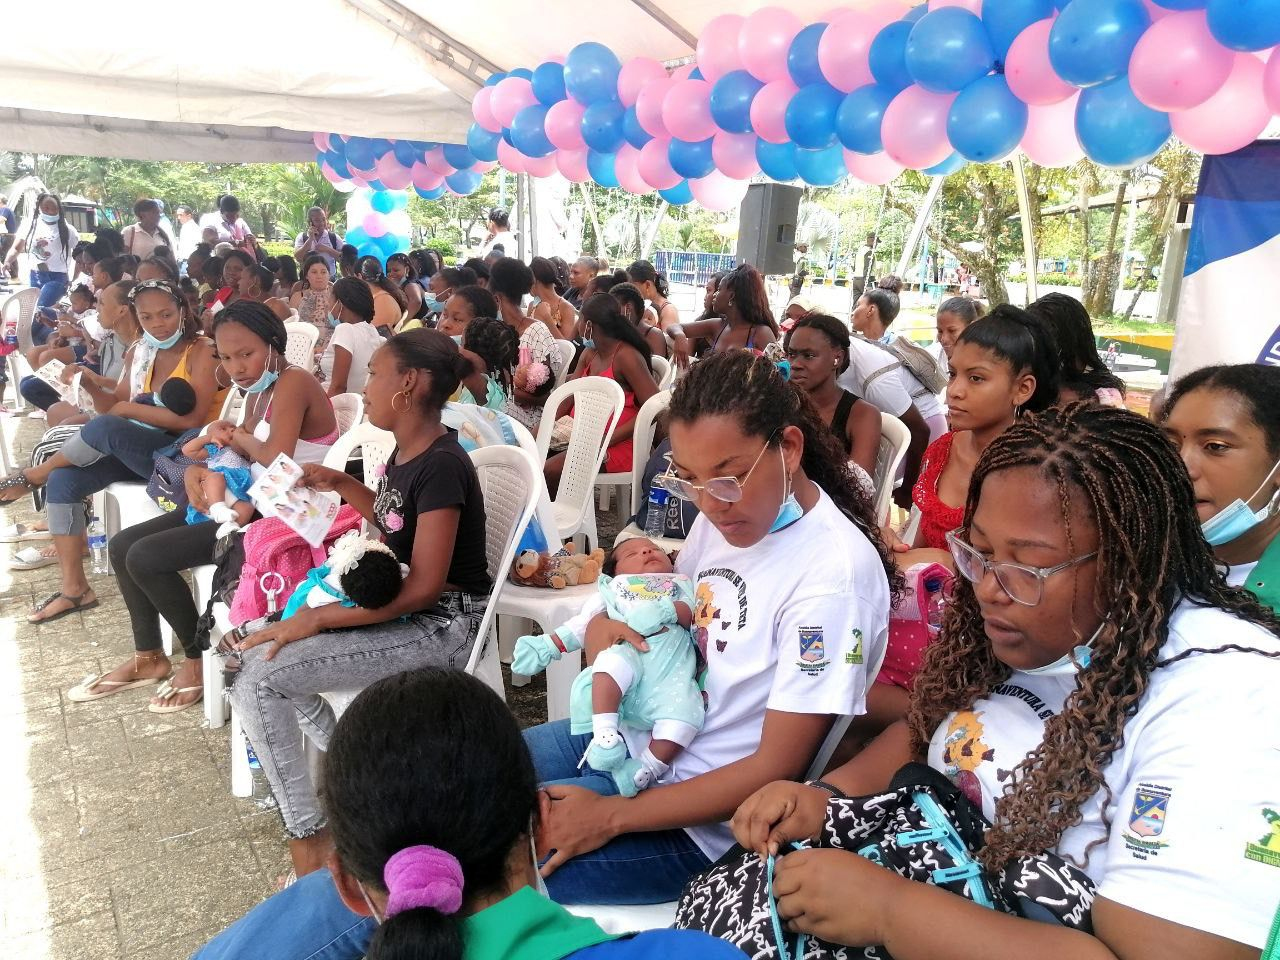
(307, 512)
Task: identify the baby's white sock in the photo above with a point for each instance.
(604, 727)
(651, 770)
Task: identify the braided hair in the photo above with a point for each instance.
(751, 388)
(1072, 330)
(1152, 555)
(496, 343)
(258, 319)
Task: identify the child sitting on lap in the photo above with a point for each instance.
(225, 486)
(657, 690)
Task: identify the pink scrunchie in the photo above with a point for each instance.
(423, 876)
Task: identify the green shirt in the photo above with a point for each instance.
(529, 926)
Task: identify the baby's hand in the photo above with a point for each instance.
(220, 432)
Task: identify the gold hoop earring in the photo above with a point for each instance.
(407, 402)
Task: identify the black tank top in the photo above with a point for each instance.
(840, 420)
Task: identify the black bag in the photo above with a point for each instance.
(923, 829)
(228, 556)
(167, 485)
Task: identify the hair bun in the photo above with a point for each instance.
(891, 283)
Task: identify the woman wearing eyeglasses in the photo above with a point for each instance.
(1100, 692)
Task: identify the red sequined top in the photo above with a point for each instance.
(937, 519)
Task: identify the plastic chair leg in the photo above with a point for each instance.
(215, 701)
(241, 774)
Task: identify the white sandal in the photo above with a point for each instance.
(168, 690)
(20, 533)
(33, 558)
(83, 692)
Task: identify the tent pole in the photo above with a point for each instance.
(533, 216)
(917, 230)
(1028, 233)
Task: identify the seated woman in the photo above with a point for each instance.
(818, 351)
(632, 302)
(614, 349)
(653, 287)
(552, 308)
(440, 866)
(954, 316)
(493, 349)
(389, 302)
(1077, 696)
(1225, 422)
(257, 285)
(1072, 330)
(344, 365)
(510, 282)
(743, 321)
(234, 264)
(430, 509)
(312, 297)
(76, 331)
(401, 272)
(285, 404)
(464, 305)
(121, 444)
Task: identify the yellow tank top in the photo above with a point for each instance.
(180, 371)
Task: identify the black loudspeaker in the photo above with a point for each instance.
(767, 228)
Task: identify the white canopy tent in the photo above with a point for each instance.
(248, 80)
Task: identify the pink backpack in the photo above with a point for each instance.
(271, 547)
(910, 629)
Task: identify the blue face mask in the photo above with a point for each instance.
(1236, 519)
(588, 344)
(432, 304)
(1071, 663)
(49, 217)
(333, 321)
(790, 510)
(457, 339)
(268, 377)
(162, 344)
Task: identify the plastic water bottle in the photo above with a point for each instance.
(937, 605)
(656, 514)
(98, 545)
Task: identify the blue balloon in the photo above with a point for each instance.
(521, 72)
(948, 49)
(696, 74)
(494, 79)
(802, 57)
(635, 134)
(777, 160)
(915, 13)
(1115, 128)
(381, 147)
(1244, 24)
(548, 83)
(678, 195)
(1092, 40)
(600, 166)
(986, 120)
(821, 168)
(435, 194)
(949, 165)
(858, 119)
(591, 73)
(1005, 19)
(376, 185)
(382, 202)
(458, 156)
(405, 152)
(338, 164)
(360, 155)
(482, 142)
(602, 126)
(691, 159)
(731, 98)
(811, 116)
(506, 135)
(387, 245)
(357, 237)
(529, 133)
(887, 56)
(464, 181)
(1180, 4)
(399, 199)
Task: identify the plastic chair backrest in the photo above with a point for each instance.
(300, 347)
(597, 403)
(561, 359)
(376, 446)
(20, 309)
(642, 443)
(233, 407)
(894, 440)
(661, 368)
(348, 410)
(525, 439)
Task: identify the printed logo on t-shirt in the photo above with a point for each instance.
(720, 608)
(387, 504)
(813, 651)
(964, 751)
(1267, 848)
(854, 656)
(1146, 821)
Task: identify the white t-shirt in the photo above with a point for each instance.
(876, 376)
(1237, 575)
(1195, 789)
(504, 237)
(44, 245)
(358, 339)
(189, 238)
(779, 632)
(142, 244)
(233, 233)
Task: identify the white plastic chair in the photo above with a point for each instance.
(348, 410)
(661, 368)
(561, 360)
(20, 310)
(894, 440)
(300, 347)
(642, 448)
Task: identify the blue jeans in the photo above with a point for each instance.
(308, 921)
(38, 393)
(53, 287)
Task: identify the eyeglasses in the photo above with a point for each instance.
(724, 489)
(1023, 584)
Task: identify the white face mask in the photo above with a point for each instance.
(1070, 663)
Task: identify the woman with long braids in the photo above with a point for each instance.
(1083, 372)
(743, 319)
(1100, 692)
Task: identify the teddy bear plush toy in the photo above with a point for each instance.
(564, 568)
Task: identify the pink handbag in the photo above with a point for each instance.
(910, 629)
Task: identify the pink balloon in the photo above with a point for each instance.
(358, 181)
(625, 165)
(769, 110)
(1271, 81)
(436, 163)
(510, 158)
(1233, 117)
(884, 12)
(1050, 137)
(344, 186)
(396, 179)
(718, 46)
(387, 166)
(842, 51)
(509, 97)
(1178, 64)
(649, 108)
(572, 165)
(686, 110)
(715, 191)
(1027, 68)
(914, 127)
(735, 154)
(635, 73)
(875, 168)
(482, 110)
(423, 177)
(564, 125)
(764, 41)
(684, 72)
(326, 171)
(373, 224)
(321, 140)
(973, 6)
(654, 165)
(484, 166)
(540, 166)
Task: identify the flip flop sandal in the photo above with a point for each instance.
(33, 558)
(12, 481)
(168, 690)
(20, 532)
(83, 691)
(77, 603)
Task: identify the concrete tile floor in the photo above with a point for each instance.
(119, 837)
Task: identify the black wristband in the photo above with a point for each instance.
(834, 791)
